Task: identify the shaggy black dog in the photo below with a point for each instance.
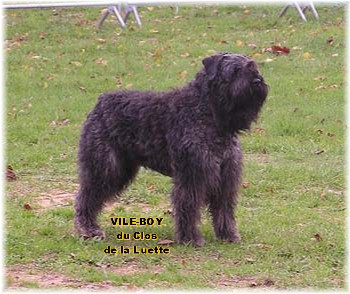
(189, 134)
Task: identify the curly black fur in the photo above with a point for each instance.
(189, 134)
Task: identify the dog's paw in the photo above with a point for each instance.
(91, 234)
(198, 242)
(234, 239)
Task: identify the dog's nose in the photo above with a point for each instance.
(257, 81)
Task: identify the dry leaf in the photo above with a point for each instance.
(185, 55)
(27, 206)
(151, 188)
(317, 237)
(61, 122)
(318, 152)
(245, 185)
(168, 211)
(277, 50)
(307, 56)
(280, 50)
(252, 45)
(182, 74)
(10, 174)
(320, 78)
(330, 40)
(42, 35)
(239, 43)
(101, 61)
(249, 260)
(76, 63)
(165, 242)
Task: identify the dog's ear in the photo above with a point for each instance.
(211, 65)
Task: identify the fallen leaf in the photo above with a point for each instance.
(249, 260)
(259, 130)
(317, 237)
(62, 122)
(182, 74)
(76, 63)
(245, 185)
(154, 31)
(165, 242)
(101, 61)
(185, 55)
(307, 56)
(252, 45)
(168, 211)
(151, 188)
(42, 35)
(268, 283)
(318, 152)
(246, 11)
(330, 40)
(280, 50)
(82, 88)
(239, 43)
(10, 174)
(27, 206)
(320, 78)
(277, 50)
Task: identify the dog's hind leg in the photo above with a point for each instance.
(104, 173)
(186, 199)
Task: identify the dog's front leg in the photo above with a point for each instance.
(223, 203)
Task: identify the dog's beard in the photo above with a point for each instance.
(239, 105)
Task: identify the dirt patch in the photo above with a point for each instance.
(132, 268)
(54, 199)
(243, 282)
(19, 276)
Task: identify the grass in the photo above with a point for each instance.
(292, 204)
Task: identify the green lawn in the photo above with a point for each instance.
(292, 206)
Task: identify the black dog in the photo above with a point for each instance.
(189, 134)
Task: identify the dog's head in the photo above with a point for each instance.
(237, 90)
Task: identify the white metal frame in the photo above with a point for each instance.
(113, 8)
(301, 9)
